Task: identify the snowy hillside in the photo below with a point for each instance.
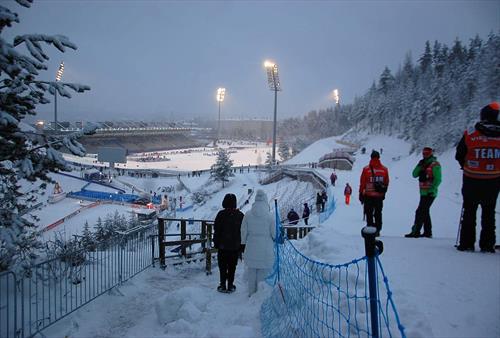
(439, 292)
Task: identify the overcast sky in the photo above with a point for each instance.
(157, 59)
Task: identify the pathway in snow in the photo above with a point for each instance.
(178, 302)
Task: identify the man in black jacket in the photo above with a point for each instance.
(478, 154)
(293, 219)
(227, 239)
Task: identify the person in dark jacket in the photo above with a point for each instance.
(293, 219)
(227, 239)
(333, 178)
(428, 172)
(319, 200)
(324, 198)
(478, 156)
(306, 213)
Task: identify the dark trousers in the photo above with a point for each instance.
(227, 261)
(423, 216)
(291, 233)
(475, 193)
(373, 208)
(306, 220)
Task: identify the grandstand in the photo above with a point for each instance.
(135, 136)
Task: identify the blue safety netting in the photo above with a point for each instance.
(315, 299)
(329, 207)
(108, 196)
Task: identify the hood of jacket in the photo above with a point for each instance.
(260, 206)
(488, 128)
(375, 163)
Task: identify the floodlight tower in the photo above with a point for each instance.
(274, 84)
(336, 96)
(59, 75)
(221, 92)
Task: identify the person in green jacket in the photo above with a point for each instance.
(428, 171)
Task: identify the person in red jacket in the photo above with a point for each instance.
(347, 193)
(478, 154)
(373, 186)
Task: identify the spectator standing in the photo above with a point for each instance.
(428, 171)
(477, 153)
(324, 199)
(306, 213)
(374, 182)
(257, 237)
(347, 193)
(227, 239)
(333, 178)
(319, 200)
(293, 219)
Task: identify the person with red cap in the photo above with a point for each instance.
(478, 154)
(428, 171)
(373, 186)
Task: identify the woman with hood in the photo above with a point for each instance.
(257, 238)
(227, 240)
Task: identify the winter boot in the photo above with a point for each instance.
(465, 248)
(414, 233)
(222, 288)
(231, 288)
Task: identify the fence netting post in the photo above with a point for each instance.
(373, 247)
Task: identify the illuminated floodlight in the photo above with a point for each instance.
(336, 96)
(221, 92)
(273, 78)
(60, 72)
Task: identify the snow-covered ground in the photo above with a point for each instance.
(244, 154)
(439, 292)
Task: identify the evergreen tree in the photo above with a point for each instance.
(87, 240)
(24, 154)
(425, 60)
(221, 170)
(386, 81)
(100, 232)
(284, 151)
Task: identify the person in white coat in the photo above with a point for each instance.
(257, 237)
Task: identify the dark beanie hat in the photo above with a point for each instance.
(490, 112)
(229, 201)
(375, 154)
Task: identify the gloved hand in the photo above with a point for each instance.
(361, 198)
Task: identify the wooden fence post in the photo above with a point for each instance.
(203, 234)
(183, 236)
(161, 247)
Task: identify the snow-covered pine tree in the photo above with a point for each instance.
(100, 233)
(87, 241)
(221, 170)
(24, 154)
(284, 151)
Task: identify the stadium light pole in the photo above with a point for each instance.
(274, 84)
(59, 75)
(221, 92)
(336, 96)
